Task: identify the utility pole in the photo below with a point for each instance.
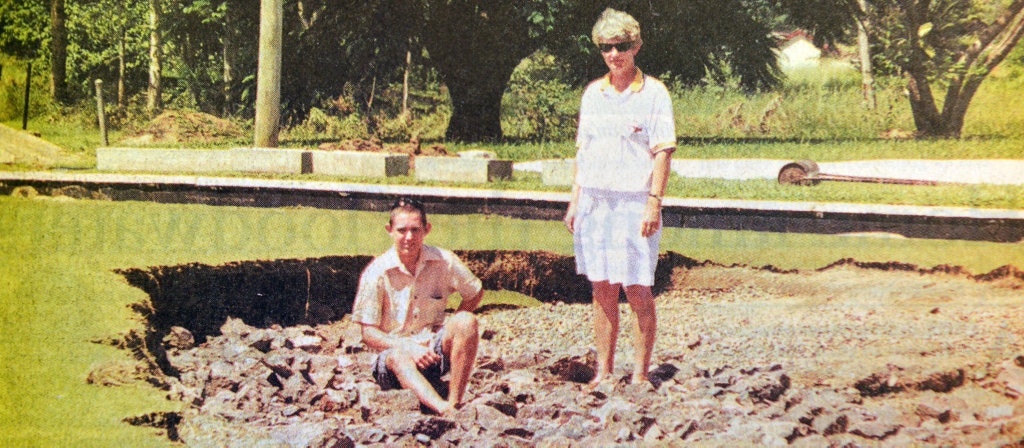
(864, 47)
(268, 77)
(154, 93)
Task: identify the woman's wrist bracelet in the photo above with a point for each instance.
(655, 197)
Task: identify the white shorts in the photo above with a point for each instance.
(607, 240)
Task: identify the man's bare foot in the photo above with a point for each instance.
(445, 410)
(639, 379)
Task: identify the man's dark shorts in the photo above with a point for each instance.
(387, 379)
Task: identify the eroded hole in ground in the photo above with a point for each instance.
(734, 336)
(314, 291)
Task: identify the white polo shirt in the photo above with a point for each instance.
(620, 132)
(405, 304)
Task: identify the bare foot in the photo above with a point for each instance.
(446, 410)
(599, 381)
(639, 379)
(596, 381)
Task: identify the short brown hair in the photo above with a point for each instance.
(406, 204)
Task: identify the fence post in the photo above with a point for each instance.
(100, 113)
(28, 85)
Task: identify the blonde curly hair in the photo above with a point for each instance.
(614, 24)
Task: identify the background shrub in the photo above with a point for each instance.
(537, 105)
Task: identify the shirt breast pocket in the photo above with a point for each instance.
(637, 133)
(433, 293)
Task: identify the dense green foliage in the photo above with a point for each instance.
(346, 60)
(344, 49)
(22, 27)
(359, 94)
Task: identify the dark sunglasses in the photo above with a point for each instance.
(622, 47)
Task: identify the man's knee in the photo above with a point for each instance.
(398, 360)
(463, 324)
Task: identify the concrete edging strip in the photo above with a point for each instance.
(469, 193)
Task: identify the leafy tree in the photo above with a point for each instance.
(476, 45)
(945, 44)
(828, 21)
(109, 40)
(951, 43)
(538, 103)
(23, 27)
(689, 42)
(343, 46)
(206, 53)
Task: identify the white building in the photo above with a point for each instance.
(797, 50)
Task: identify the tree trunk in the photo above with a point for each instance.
(190, 58)
(475, 52)
(476, 110)
(991, 46)
(121, 68)
(58, 52)
(268, 77)
(922, 104)
(154, 100)
(405, 83)
(476, 90)
(230, 60)
(864, 48)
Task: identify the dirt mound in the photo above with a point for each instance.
(413, 148)
(174, 126)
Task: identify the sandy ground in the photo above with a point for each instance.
(827, 327)
(889, 336)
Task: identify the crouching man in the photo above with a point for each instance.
(401, 306)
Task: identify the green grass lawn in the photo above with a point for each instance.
(983, 196)
(820, 118)
(58, 290)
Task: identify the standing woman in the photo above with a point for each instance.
(624, 144)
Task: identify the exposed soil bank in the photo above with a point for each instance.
(853, 354)
(317, 291)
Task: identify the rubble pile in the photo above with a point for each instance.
(310, 386)
(848, 355)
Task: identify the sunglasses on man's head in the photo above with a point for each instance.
(407, 202)
(622, 47)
